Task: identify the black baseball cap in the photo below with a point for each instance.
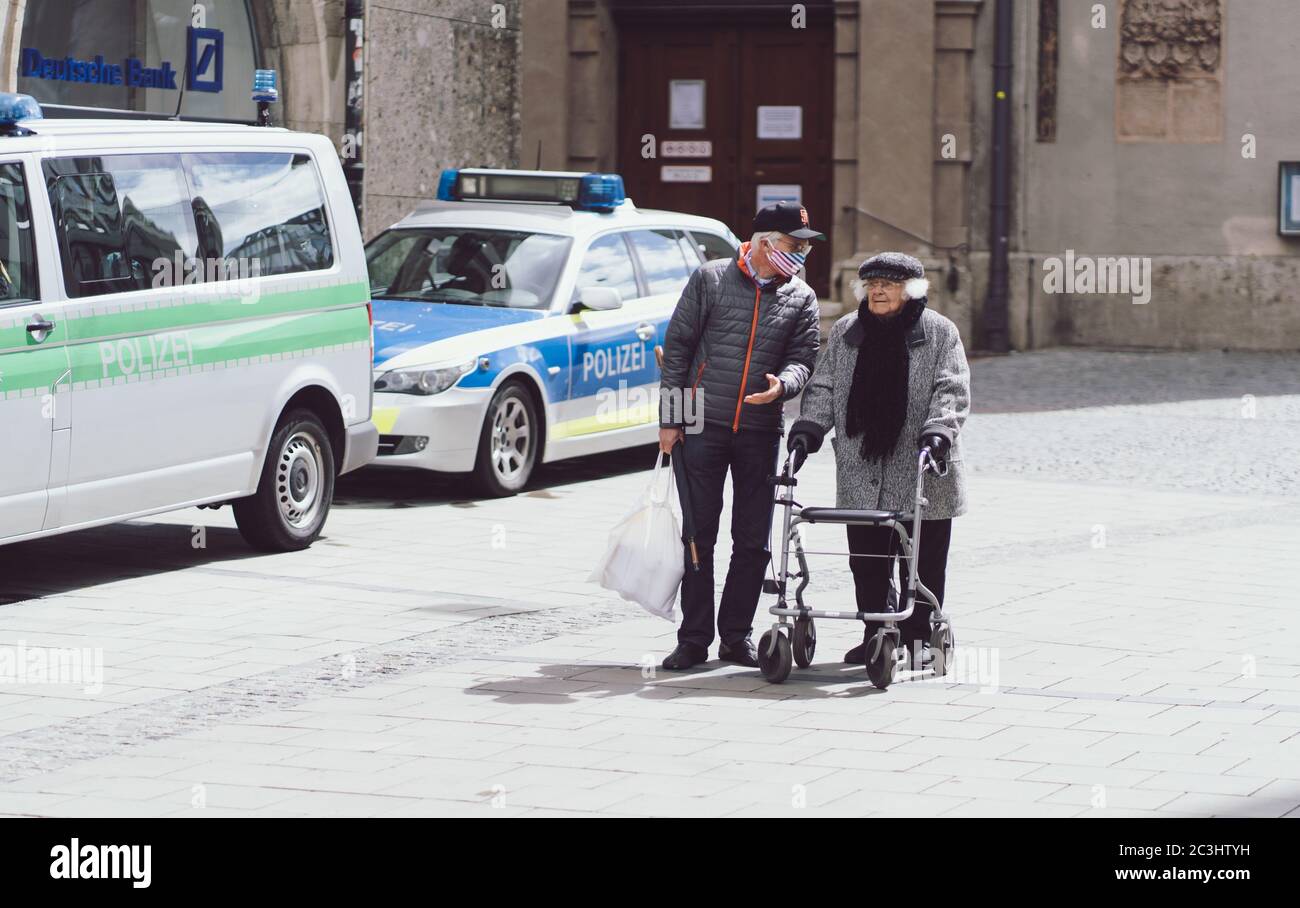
(789, 218)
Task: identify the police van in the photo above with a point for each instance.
(516, 320)
(184, 321)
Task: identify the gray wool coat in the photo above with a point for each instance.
(938, 402)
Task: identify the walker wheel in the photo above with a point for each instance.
(774, 663)
(804, 640)
(881, 659)
(942, 644)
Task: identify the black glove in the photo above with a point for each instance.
(798, 448)
(805, 438)
(939, 446)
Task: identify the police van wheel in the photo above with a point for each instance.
(507, 446)
(294, 493)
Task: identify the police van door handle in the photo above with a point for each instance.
(39, 328)
(645, 331)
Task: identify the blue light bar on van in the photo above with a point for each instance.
(14, 107)
(264, 86)
(585, 191)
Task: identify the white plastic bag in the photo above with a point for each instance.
(644, 560)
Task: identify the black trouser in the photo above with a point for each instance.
(871, 575)
(751, 457)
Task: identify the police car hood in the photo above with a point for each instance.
(405, 326)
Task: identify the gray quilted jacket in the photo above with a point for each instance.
(724, 328)
(938, 400)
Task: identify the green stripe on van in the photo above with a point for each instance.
(31, 372)
(169, 341)
(159, 315)
(227, 345)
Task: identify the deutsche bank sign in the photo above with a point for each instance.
(206, 59)
(204, 71)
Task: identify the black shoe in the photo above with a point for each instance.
(857, 655)
(741, 653)
(687, 655)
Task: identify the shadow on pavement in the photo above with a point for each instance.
(122, 551)
(547, 687)
(387, 487)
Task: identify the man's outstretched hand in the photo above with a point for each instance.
(773, 392)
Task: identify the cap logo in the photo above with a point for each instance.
(803, 216)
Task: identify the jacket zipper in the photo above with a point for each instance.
(749, 350)
(698, 375)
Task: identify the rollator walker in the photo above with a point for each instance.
(793, 638)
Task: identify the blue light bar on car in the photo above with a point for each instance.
(601, 192)
(447, 185)
(14, 107)
(585, 191)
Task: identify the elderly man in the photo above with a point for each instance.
(742, 340)
(894, 379)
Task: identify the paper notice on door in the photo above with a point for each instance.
(771, 193)
(780, 122)
(686, 173)
(686, 104)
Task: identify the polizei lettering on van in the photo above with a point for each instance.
(607, 362)
(136, 355)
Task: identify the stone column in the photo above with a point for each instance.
(11, 36)
(544, 89)
(592, 102)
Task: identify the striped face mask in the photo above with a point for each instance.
(787, 264)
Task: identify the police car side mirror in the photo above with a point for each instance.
(600, 298)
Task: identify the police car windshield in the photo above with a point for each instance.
(471, 266)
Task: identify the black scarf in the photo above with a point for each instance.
(878, 398)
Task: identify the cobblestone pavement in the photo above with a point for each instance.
(1123, 593)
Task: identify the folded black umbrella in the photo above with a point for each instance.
(684, 497)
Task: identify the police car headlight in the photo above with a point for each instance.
(423, 381)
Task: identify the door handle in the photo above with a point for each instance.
(39, 328)
(645, 331)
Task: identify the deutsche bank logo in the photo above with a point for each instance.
(206, 59)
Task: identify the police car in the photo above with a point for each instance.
(516, 320)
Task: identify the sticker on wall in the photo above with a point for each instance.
(685, 149)
(776, 122)
(686, 104)
(771, 193)
(686, 173)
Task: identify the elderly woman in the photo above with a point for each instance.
(892, 380)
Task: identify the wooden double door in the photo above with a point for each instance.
(736, 115)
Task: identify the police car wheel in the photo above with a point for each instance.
(507, 447)
(293, 496)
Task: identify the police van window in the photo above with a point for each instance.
(17, 251)
(712, 246)
(260, 213)
(478, 267)
(124, 221)
(662, 261)
(608, 264)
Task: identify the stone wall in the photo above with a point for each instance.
(442, 90)
(1147, 161)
